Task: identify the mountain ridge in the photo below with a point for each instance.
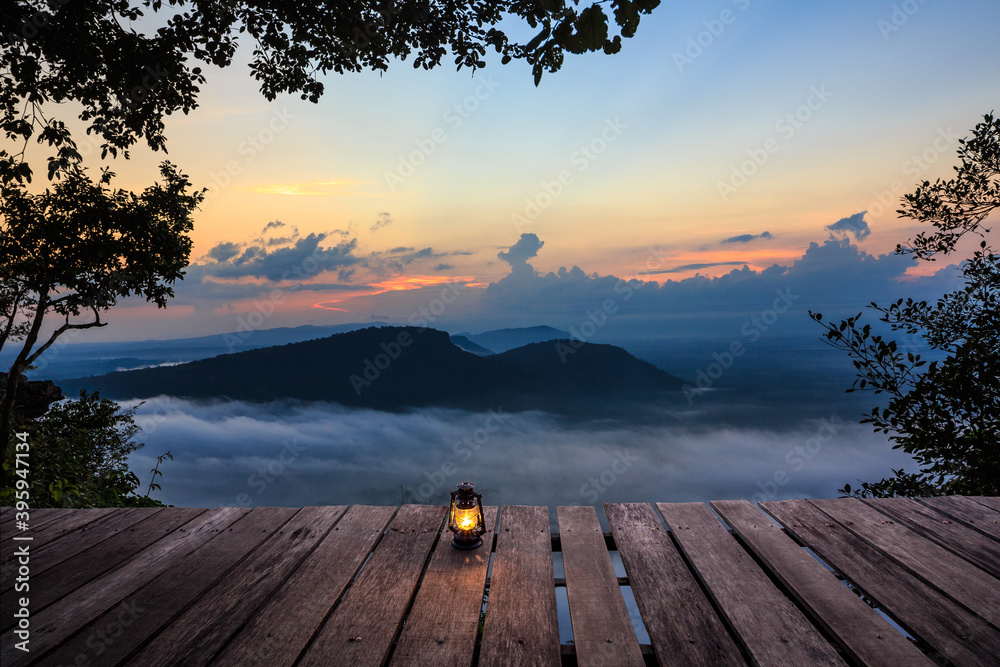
(394, 368)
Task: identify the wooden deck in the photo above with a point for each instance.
(368, 585)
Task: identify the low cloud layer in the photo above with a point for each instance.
(319, 454)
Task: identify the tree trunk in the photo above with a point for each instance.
(14, 378)
(6, 417)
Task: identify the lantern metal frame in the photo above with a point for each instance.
(466, 498)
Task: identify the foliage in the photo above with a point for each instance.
(81, 245)
(106, 55)
(77, 248)
(78, 457)
(945, 413)
(155, 472)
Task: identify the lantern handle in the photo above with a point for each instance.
(481, 528)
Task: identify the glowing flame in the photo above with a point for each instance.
(466, 519)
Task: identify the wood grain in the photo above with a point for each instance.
(968, 512)
(50, 531)
(958, 579)
(36, 517)
(73, 573)
(61, 620)
(990, 501)
(958, 538)
(362, 627)
(82, 539)
(522, 625)
(864, 634)
(280, 630)
(774, 631)
(153, 606)
(204, 627)
(682, 624)
(952, 630)
(441, 627)
(602, 630)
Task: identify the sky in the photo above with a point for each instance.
(726, 138)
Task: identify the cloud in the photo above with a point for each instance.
(746, 238)
(526, 247)
(517, 256)
(306, 257)
(397, 260)
(384, 220)
(323, 454)
(423, 253)
(268, 238)
(687, 267)
(834, 277)
(224, 251)
(852, 224)
(444, 267)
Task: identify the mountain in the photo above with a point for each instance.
(467, 345)
(83, 359)
(501, 340)
(393, 368)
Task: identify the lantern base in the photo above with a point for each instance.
(464, 542)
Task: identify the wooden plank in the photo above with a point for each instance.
(47, 523)
(52, 530)
(970, 544)
(865, 635)
(361, 629)
(521, 625)
(278, 632)
(602, 630)
(774, 631)
(969, 512)
(682, 625)
(990, 501)
(958, 579)
(36, 517)
(949, 628)
(441, 627)
(199, 633)
(80, 540)
(54, 584)
(71, 526)
(58, 622)
(152, 606)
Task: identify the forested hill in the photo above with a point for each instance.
(394, 368)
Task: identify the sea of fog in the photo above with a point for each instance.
(770, 423)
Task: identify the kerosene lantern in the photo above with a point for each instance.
(465, 517)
